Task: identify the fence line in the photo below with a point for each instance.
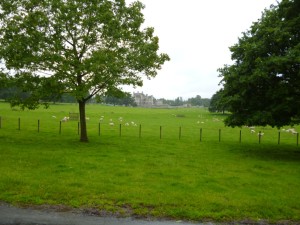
(161, 136)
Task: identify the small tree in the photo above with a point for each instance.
(81, 47)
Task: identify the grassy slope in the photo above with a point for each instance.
(166, 177)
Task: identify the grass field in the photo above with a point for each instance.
(146, 172)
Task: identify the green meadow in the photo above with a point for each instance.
(165, 163)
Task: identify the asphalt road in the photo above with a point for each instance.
(10, 215)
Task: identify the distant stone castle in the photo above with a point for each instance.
(143, 100)
(146, 100)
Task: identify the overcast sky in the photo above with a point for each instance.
(196, 34)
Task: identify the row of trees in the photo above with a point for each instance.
(194, 101)
(262, 86)
(121, 98)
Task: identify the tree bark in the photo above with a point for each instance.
(83, 131)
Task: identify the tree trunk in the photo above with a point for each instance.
(83, 131)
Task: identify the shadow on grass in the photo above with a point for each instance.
(269, 152)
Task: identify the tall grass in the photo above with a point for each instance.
(148, 175)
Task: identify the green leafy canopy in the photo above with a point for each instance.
(89, 46)
(262, 87)
(84, 47)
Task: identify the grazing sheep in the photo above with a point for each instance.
(54, 117)
(126, 124)
(292, 131)
(111, 124)
(133, 124)
(260, 134)
(65, 119)
(252, 131)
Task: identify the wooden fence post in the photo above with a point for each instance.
(160, 129)
(240, 136)
(120, 130)
(259, 136)
(179, 133)
(140, 131)
(200, 134)
(59, 127)
(19, 121)
(38, 126)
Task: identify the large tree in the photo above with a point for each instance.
(262, 87)
(82, 47)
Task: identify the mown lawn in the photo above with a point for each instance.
(164, 175)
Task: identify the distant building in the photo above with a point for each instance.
(143, 100)
(159, 102)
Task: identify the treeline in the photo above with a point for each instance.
(126, 99)
(8, 94)
(195, 101)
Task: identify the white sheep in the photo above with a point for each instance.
(252, 131)
(111, 124)
(133, 124)
(54, 117)
(65, 119)
(292, 130)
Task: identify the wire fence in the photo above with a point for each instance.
(201, 134)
